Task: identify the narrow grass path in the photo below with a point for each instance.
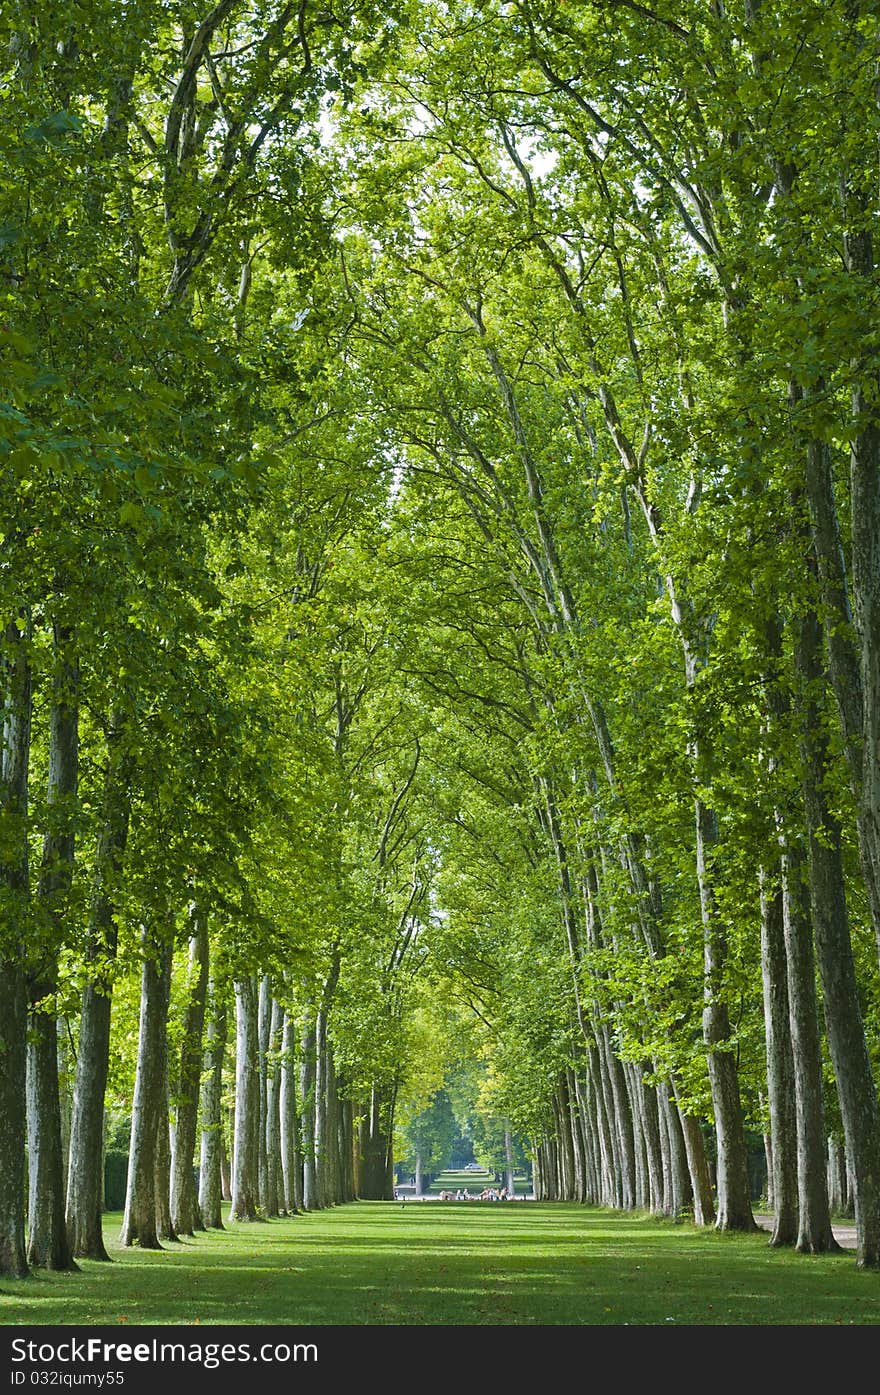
(453, 1263)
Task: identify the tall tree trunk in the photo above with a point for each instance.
(332, 1129)
(734, 1204)
(836, 1177)
(551, 1170)
(581, 1145)
(768, 1168)
(782, 1154)
(291, 1151)
(149, 1108)
(227, 1129)
(15, 884)
(264, 1028)
(859, 204)
(698, 1163)
(185, 1215)
(642, 1184)
(843, 1017)
(509, 1180)
(622, 1124)
(210, 1173)
(377, 1132)
(321, 1126)
(545, 1178)
(680, 1190)
(651, 1125)
(849, 1208)
(346, 1148)
(85, 1178)
(780, 1066)
(324, 1125)
(48, 1246)
(538, 1173)
(565, 1144)
(165, 1228)
(814, 1217)
(613, 1157)
(608, 1151)
(700, 1185)
(274, 1200)
(307, 1094)
(65, 1082)
(589, 1126)
(853, 650)
(245, 1154)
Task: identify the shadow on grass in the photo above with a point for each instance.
(376, 1263)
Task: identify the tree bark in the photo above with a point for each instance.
(165, 1228)
(622, 1124)
(641, 1182)
(376, 1180)
(865, 538)
(210, 1172)
(274, 1198)
(264, 1028)
(15, 875)
(245, 1155)
(65, 1083)
(679, 1184)
(332, 1163)
(48, 1245)
(85, 1177)
(654, 1155)
(347, 1148)
(538, 1173)
(843, 1017)
(589, 1127)
(565, 1146)
(852, 660)
(814, 1217)
(780, 1066)
(185, 1214)
(321, 1122)
(608, 1152)
(698, 1164)
(734, 1204)
(225, 1164)
(836, 1177)
(311, 1199)
(291, 1151)
(508, 1161)
(149, 1108)
(324, 1124)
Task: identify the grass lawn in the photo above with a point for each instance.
(462, 1263)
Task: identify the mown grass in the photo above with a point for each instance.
(385, 1263)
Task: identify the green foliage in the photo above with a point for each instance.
(115, 1175)
(404, 414)
(429, 1135)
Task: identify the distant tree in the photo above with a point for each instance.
(431, 1135)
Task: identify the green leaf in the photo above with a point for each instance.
(54, 129)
